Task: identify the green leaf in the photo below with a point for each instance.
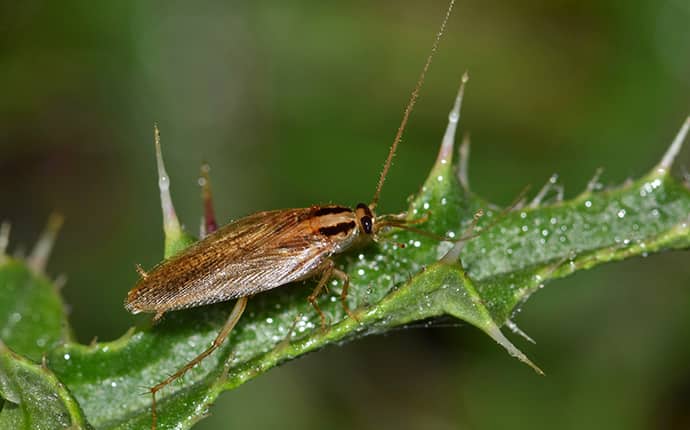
(32, 317)
(405, 277)
(515, 255)
(34, 399)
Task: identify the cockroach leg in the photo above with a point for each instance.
(343, 294)
(328, 268)
(288, 337)
(158, 316)
(235, 315)
(140, 270)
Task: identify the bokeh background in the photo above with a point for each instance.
(295, 103)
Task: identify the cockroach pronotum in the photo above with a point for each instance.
(267, 250)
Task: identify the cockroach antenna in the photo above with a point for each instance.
(410, 105)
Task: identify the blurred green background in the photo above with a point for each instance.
(295, 103)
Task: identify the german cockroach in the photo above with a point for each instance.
(266, 250)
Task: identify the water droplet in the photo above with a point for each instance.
(523, 215)
(524, 228)
(621, 213)
(66, 356)
(655, 212)
(113, 384)
(444, 201)
(588, 204)
(269, 320)
(439, 178)
(509, 251)
(163, 182)
(544, 232)
(360, 272)
(417, 244)
(553, 220)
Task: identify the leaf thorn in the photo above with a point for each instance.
(496, 335)
(673, 150)
(550, 184)
(515, 329)
(208, 223)
(171, 225)
(41, 253)
(445, 154)
(5, 227)
(594, 184)
(464, 162)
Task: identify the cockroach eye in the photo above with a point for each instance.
(367, 224)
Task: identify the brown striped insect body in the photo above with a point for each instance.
(264, 251)
(253, 254)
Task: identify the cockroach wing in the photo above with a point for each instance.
(253, 254)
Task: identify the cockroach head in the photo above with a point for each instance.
(365, 218)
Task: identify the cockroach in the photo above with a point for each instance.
(267, 250)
